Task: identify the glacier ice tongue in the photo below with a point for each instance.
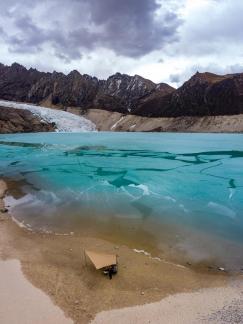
(64, 121)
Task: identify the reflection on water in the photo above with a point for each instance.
(189, 183)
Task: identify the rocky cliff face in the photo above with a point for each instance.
(21, 121)
(119, 92)
(205, 94)
(16, 81)
(73, 89)
(122, 92)
(156, 103)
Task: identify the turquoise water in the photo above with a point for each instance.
(190, 182)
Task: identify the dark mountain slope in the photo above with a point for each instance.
(205, 94)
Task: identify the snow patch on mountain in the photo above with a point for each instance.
(64, 121)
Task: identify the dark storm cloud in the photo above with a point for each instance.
(131, 28)
(29, 37)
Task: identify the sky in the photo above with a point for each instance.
(162, 40)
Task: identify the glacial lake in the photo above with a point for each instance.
(159, 192)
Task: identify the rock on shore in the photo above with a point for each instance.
(22, 121)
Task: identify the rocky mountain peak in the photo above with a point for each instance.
(55, 74)
(123, 84)
(165, 88)
(206, 77)
(127, 89)
(18, 67)
(74, 74)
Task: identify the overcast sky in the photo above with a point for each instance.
(163, 40)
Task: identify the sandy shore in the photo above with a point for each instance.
(214, 305)
(55, 264)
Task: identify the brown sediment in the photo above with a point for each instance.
(56, 264)
(115, 121)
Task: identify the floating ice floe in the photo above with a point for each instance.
(143, 187)
(64, 121)
(221, 209)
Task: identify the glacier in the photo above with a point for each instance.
(64, 121)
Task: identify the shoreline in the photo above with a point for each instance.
(55, 265)
(139, 238)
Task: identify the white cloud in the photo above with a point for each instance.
(209, 37)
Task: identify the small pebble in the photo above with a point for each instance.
(142, 293)
(221, 269)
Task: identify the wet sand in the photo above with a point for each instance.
(56, 265)
(21, 301)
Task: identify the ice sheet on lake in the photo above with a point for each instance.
(64, 121)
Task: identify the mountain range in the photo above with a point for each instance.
(204, 94)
